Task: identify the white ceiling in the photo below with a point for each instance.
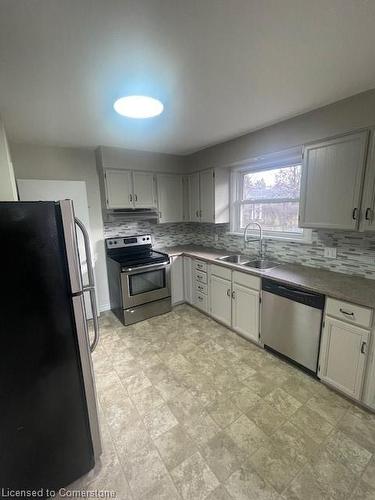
(221, 67)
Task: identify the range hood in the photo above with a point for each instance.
(131, 214)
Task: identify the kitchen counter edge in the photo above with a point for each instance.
(340, 286)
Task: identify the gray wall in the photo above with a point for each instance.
(141, 160)
(343, 116)
(73, 164)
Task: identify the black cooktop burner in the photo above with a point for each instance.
(140, 258)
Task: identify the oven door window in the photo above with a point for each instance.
(148, 281)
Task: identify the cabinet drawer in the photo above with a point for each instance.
(357, 315)
(221, 272)
(246, 280)
(200, 265)
(200, 276)
(201, 288)
(200, 301)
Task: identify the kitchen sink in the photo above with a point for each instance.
(261, 264)
(233, 259)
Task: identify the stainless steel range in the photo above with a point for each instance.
(138, 277)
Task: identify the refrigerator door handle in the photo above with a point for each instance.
(91, 285)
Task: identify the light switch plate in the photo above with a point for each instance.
(330, 252)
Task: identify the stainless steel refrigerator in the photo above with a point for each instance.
(49, 431)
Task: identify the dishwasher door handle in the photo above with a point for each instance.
(308, 298)
(301, 293)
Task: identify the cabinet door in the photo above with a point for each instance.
(185, 198)
(119, 188)
(177, 280)
(207, 196)
(369, 387)
(194, 204)
(170, 198)
(343, 356)
(368, 202)
(188, 280)
(221, 301)
(245, 311)
(144, 190)
(332, 176)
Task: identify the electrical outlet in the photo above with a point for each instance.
(216, 237)
(330, 252)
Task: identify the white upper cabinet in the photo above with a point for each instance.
(170, 197)
(368, 201)
(119, 188)
(144, 190)
(207, 196)
(194, 202)
(332, 177)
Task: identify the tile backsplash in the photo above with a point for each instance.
(355, 251)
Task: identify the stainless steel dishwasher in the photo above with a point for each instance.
(291, 322)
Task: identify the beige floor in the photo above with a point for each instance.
(191, 410)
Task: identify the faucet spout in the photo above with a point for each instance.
(260, 239)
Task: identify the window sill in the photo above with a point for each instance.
(306, 238)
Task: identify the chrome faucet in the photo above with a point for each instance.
(245, 240)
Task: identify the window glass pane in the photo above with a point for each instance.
(281, 217)
(272, 184)
(147, 281)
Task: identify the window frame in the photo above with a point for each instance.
(269, 162)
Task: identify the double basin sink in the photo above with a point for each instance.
(243, 261)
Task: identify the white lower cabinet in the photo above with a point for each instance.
(221, 299)
(343, 356)
(234, 300)
(177, 280)
(245, 311)
(188, 282)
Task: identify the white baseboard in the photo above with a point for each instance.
(104, 307)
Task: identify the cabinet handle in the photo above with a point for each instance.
(130, 198)
(197, 213)
(346, 312)
(200, 213)
(136, 197)
(228, 292)
(355, 213)
(233, 295)
(368, 214)
(363, 347)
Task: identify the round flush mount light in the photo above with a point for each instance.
(138, 106)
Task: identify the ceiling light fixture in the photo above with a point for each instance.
(138, 106)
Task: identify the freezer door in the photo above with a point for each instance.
(71, 244)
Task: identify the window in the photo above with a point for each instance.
(268, 192)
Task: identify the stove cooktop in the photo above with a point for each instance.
(141, 258)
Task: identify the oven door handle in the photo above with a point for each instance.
(159, 265)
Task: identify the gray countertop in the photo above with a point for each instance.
(337, 285)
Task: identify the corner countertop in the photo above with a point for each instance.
(341, 286)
